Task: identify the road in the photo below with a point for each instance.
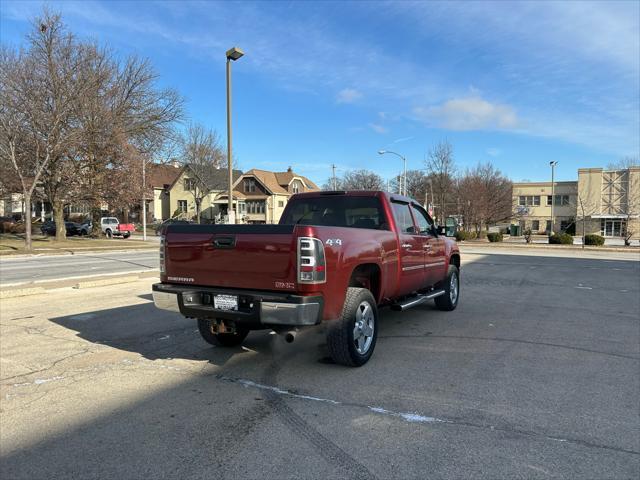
(14, 270)
(535, 375)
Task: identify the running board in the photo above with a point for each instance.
(420, 299)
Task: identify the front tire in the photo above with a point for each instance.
(451, 287)
(352, 338)
(109, 233)
(221, 339)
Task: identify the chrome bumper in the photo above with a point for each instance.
(277, 313)
(166, 301)
(256, 309)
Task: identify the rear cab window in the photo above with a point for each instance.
(336, 211)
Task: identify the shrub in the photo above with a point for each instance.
(494, 237)
(561, 239)
(462, 235)
(527, 235)
(594, 240)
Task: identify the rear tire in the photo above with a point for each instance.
(126, 234)
(451, 287)
(352, 339)
(221, 339)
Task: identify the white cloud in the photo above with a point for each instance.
(494, 152)
(348, 95)
(471, 113)
(403, 139)
(381, 129)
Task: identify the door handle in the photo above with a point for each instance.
(406, 245)
(427, 246)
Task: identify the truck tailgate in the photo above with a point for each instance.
(261, 257)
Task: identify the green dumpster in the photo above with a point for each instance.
(515, 231)
(451, 226)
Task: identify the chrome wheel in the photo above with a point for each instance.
(453, 288)
(365, 324)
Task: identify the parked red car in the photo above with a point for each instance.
(335, 257)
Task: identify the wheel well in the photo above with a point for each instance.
(455, 260)
(367, 276)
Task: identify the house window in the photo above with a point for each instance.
(189, 184)
(529, 200)
(280, 203)
(535, 225)
(182, 206)
(242, 208)
(255, 206)
(249, 185)
(295, 186)
(548, 228)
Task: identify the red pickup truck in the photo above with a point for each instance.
(335, 257)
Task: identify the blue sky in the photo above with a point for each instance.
(516, 83)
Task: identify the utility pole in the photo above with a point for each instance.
(335, 184)
(553, 191)
(144, 200)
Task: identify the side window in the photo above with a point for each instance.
(401, 213)
(422, 219)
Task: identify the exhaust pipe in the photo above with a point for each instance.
(289, 335)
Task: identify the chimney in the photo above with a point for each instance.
(289, 170)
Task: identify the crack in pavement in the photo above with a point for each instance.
(514, 340)
(275, 392)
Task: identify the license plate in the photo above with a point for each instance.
(225, 302)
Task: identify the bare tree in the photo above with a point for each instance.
(417, 185)
(362, 180)
(203, 154)
(333, 184)
(38, 88)
(441, 169)
(624, 163)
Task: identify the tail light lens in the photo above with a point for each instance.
(311, 261)
(162, 255)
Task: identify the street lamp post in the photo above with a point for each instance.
(553, 191)
(144, 200)
(233, 54)
(403, 189)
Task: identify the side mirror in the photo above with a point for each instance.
(442, 230)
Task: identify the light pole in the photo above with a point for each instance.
(403, 189)
(553, 191)
(233, 54)
(144, 200)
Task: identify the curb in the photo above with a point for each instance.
(543, 246)
(99, 281)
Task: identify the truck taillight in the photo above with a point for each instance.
(311, 261)
(162, 254)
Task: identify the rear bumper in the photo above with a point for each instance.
(256, 309)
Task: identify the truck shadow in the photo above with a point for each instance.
(158, 334)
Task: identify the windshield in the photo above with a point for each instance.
(336, 211)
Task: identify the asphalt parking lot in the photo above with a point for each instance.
(535, 375)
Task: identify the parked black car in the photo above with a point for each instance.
(85, 228)
(49, 228)
(170, 221)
